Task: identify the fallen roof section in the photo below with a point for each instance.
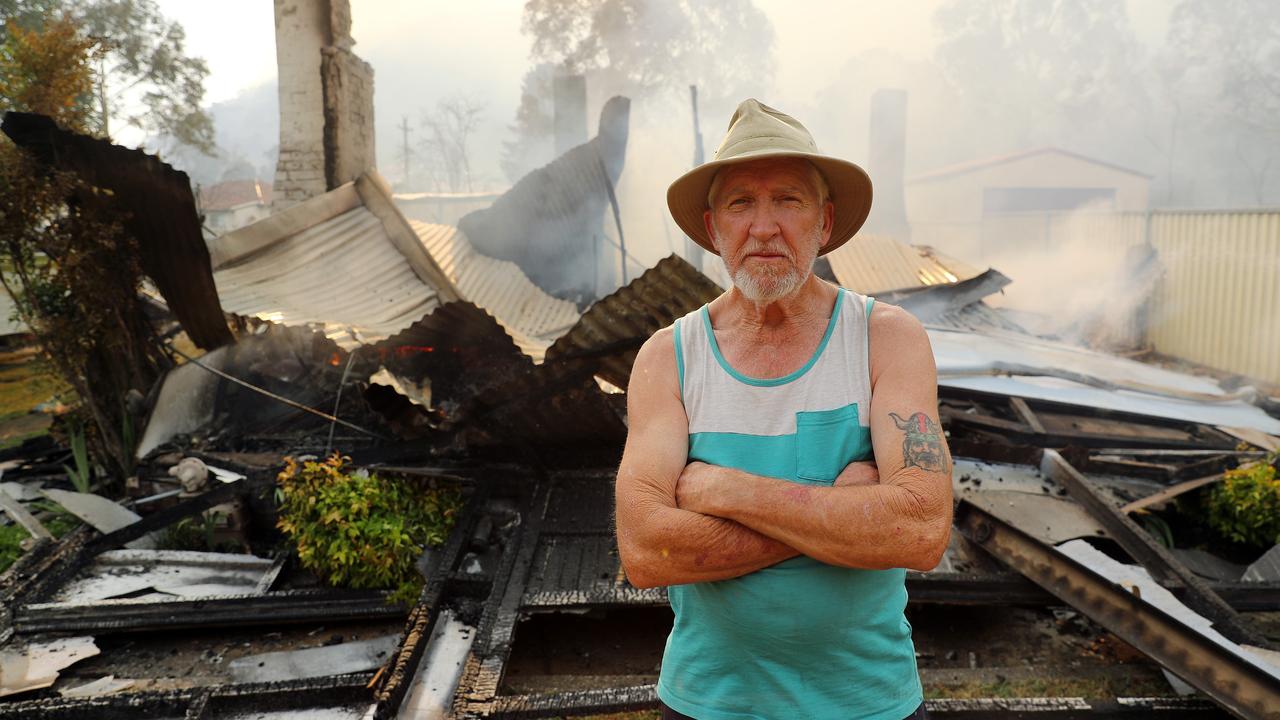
(346, 260)
(160, 215)
(533, 318)
(1029, 367)
(550, 221)
(872, 264)
(610, 333)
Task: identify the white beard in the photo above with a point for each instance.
(767, 285)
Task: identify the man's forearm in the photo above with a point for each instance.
(870, 526)
(680, 546)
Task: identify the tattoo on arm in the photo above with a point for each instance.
(922, 446)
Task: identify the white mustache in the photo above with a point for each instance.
(758, 248)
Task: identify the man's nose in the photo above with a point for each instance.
(764, 221)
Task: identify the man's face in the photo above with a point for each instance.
(768, 221)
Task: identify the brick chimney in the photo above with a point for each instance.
(326, 101)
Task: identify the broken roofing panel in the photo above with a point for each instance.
(549, 223)
(346, 260)
(610, 334)
(480, 381)
(141, 573)
(872, 264)
(533, 318)
(160, 215)
(1024, 366)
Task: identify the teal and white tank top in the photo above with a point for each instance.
(800, 639)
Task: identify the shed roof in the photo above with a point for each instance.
(234, 193)
(983, 163)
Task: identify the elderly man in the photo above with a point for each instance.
(745, 485)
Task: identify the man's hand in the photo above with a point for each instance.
(858, 473)
(696, 487)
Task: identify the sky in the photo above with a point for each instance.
(480, 51)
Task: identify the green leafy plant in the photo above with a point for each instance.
(359, 529)
(1245, 506)
(82, 473)
(195, 533)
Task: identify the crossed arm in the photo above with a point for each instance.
(681, 523)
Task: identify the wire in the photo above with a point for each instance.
(278, 398)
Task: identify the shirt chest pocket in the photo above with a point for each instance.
(827, 441)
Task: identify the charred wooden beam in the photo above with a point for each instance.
(1241, 686)
(222, 493)
(138, 615)
(396, 682)
(1161, 563)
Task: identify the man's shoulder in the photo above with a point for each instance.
(894, 336)
(891, 321)
(656, 361)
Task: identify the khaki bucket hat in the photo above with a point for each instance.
(756, 132)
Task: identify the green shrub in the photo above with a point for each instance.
(362, 530)
(1245, 506)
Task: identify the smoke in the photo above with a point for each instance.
(1085, 278)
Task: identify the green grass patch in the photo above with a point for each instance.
(13, 536)
(25, 382)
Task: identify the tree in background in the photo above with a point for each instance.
(49, 71)
(143, 76)
(1036, 72)
(1220, 62)
(532, 144)
(447, 132)
(644, 49)
(73, 273)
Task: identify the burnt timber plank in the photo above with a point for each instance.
(1241, 686)
(1161, 563)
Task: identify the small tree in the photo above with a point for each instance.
(448, 130)
(142, 76)
(72, 271)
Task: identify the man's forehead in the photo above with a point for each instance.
(769, 171)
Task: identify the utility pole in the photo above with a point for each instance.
(692, 251)
(405, 151)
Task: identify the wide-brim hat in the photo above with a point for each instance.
(758, 132)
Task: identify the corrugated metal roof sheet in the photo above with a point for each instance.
(342, 272)
(481, 381)
(159, 211)
(872, 264)
(548, 222)
(1029, 367)
(532, 317)
(612, 331)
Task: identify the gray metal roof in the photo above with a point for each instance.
(533, 318)
(611, 332)
(337, 262)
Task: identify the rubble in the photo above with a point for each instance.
(37, 664)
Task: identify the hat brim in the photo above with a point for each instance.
(849, 185)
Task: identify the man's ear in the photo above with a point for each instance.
(828, 222)
(711, 231)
